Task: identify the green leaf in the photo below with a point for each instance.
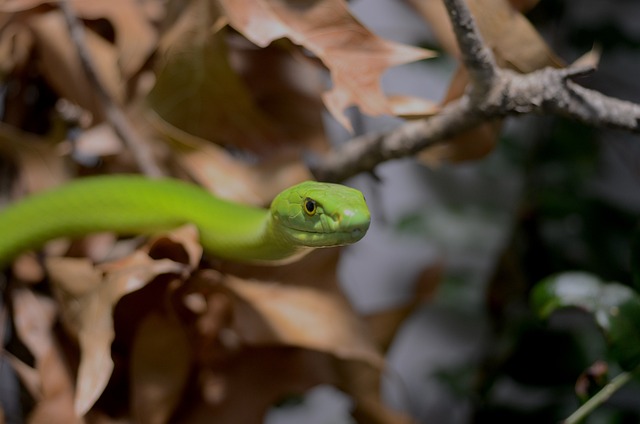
(615, 307)
(580, 290)
(624, 334)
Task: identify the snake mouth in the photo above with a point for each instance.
(328, 238)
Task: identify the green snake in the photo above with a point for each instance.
(303, 217)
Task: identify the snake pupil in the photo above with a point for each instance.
(310, 206)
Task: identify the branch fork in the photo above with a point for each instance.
(492, 93)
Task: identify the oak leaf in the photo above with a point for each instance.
(355, 56)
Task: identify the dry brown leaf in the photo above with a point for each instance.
(515, 42)
(210, 165)
(40, 165)
(286, 301)
(226, 176)
(87, 296)
(518, 45)
(160, 365)
(356, 57)
(61, 67)
(308, 318)
(241, 388)
(301, 317)
(270, 339)
(135, 37)
(409, 107)
(88, 316)
(198, 91)
(13, 6)
(16, 43)
(34, 317)
(287, 86)
(181, 245)
(590, 59)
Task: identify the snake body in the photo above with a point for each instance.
(306, 216)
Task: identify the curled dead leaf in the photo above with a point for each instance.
(301, 317)
(355, 56)
(135, 36)
(590, 59)
(16, 43)
(62, 68)
(34, 318)
(181, 245)
(87, 295)
(60, 63)
(40, 164)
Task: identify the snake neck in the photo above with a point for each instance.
(252, 235)
(283, 248)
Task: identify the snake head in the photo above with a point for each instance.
(320, 214)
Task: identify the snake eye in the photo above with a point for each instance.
(310, 206)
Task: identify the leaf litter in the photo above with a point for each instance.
(156, 333)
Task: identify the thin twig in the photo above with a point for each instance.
(476, 56)
(494, 93)
(364, 153)
(599, 398)
(112, 112)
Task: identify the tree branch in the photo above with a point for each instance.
(493, 93)
(476, 56)
(112, 112)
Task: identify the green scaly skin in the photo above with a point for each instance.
(136, 205)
